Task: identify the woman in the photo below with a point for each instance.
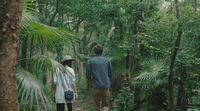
(63, 83)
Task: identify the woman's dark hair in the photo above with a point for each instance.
(98, 49)
(67, 62)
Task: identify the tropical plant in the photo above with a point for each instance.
(33, 67)
(131, 31)
(150, 85)
(125, 98)
(32, 93)
(152, 74)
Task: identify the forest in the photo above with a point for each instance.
(153, 46)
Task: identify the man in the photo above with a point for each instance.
(98, 72)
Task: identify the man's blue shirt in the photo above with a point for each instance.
(99, 72)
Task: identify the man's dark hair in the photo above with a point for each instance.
(98, 49)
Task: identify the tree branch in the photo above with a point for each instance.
(55, 13)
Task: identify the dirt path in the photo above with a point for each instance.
(82, 103)
(80, 106)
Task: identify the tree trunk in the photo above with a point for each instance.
(31, 49)
(173, 58)
(24, 53)
(55, 13)
(195, 5)
(10, 15)
(182, 98)
(127, 64)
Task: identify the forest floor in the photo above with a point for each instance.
(84, 100)
(83, 103)
(80, 105)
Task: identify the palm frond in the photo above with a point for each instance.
(29, 12)
(47, 64)
(41, 34)
(44, 63)
(32, 93)
(150, 75)
(29, 6)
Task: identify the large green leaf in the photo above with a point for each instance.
(152, 74)
(41, 34)
(32, 93)
(44, 64)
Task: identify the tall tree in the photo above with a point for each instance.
(173, 57)
(10, 16)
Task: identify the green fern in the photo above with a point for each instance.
(151, 74)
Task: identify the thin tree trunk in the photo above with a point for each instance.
(24, 53)
(128, 64)
(135, 57)
(127, 59)
(10, 16)
(182, 98)
(44, 48)
(173, 58)
(55, 13)
(42, 7)
(31, 53)
(195, 5)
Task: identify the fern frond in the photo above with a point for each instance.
(150, 75)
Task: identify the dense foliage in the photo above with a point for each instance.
(139, 36)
